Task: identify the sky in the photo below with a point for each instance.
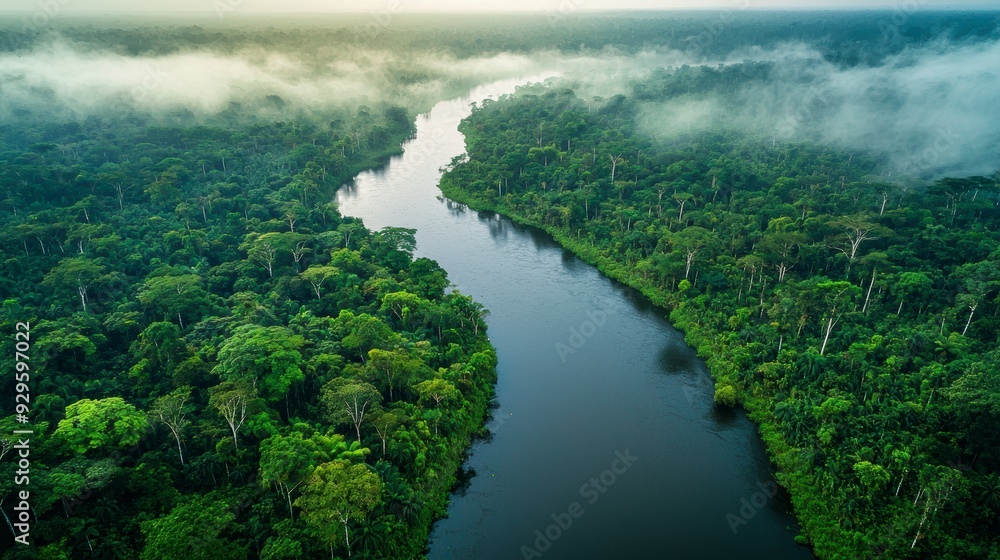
(396, 6)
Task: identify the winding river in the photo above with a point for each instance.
(607, 444)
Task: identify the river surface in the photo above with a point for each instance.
(607, 444)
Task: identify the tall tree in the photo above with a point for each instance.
(349, 401)
(171, 410)
(232, 399)
(338, 492)
(79, 273)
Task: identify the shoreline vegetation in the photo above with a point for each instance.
(769, 273)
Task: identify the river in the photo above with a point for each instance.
(607, 444)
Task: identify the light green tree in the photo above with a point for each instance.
(95, 424)
(338, 492)
(267, 356)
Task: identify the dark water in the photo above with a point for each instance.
(592, 380)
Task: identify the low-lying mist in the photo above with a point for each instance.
(62, 81)
(930, 110)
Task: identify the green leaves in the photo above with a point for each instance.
(76, 273)
(172, 410)
(873, 477)
(842, 371)
(338, 492)
(175, 297)
(195, 253)
(100, 424)
(192, 531)
(232, 400)
(349, 401)
(268, 355)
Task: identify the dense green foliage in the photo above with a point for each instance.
(221, 365)
(854, 318)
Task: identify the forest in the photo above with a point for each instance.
(854, 317)
(218, 364)
(213, 347)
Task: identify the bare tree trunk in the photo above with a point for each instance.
(829, 328)
(969, 322)
(864, 309)
(177, 437)
(923, 519)
(347, 537)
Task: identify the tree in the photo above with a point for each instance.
(403, 305)
(175, 296)
(96, 424)
(349, 400)
(836, 298)
(231, 399)
(438, 390)
(873, 477)
(856, 230)
(690, 241)
(978, 280)
(781, 245)
(384, 423)
(392, 366)
(171, 410)
(77, 272)
(338, 492)
(361, 333)
(615, 161)
(192, 531)
(262, 251)
(974, 399)
(316, 275)
(266, 355)
(288, 461)
(394, 246)
(911, 286)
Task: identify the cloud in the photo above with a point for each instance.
(931, 110)
(62, 79)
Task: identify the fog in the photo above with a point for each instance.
(931, 110)
(62, 80)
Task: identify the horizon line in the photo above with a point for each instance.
(580, 11)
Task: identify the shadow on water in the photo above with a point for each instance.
(725, 417)
(463, 479)
(676, 358)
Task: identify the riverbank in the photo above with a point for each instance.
(563, 415)
(820, 530)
